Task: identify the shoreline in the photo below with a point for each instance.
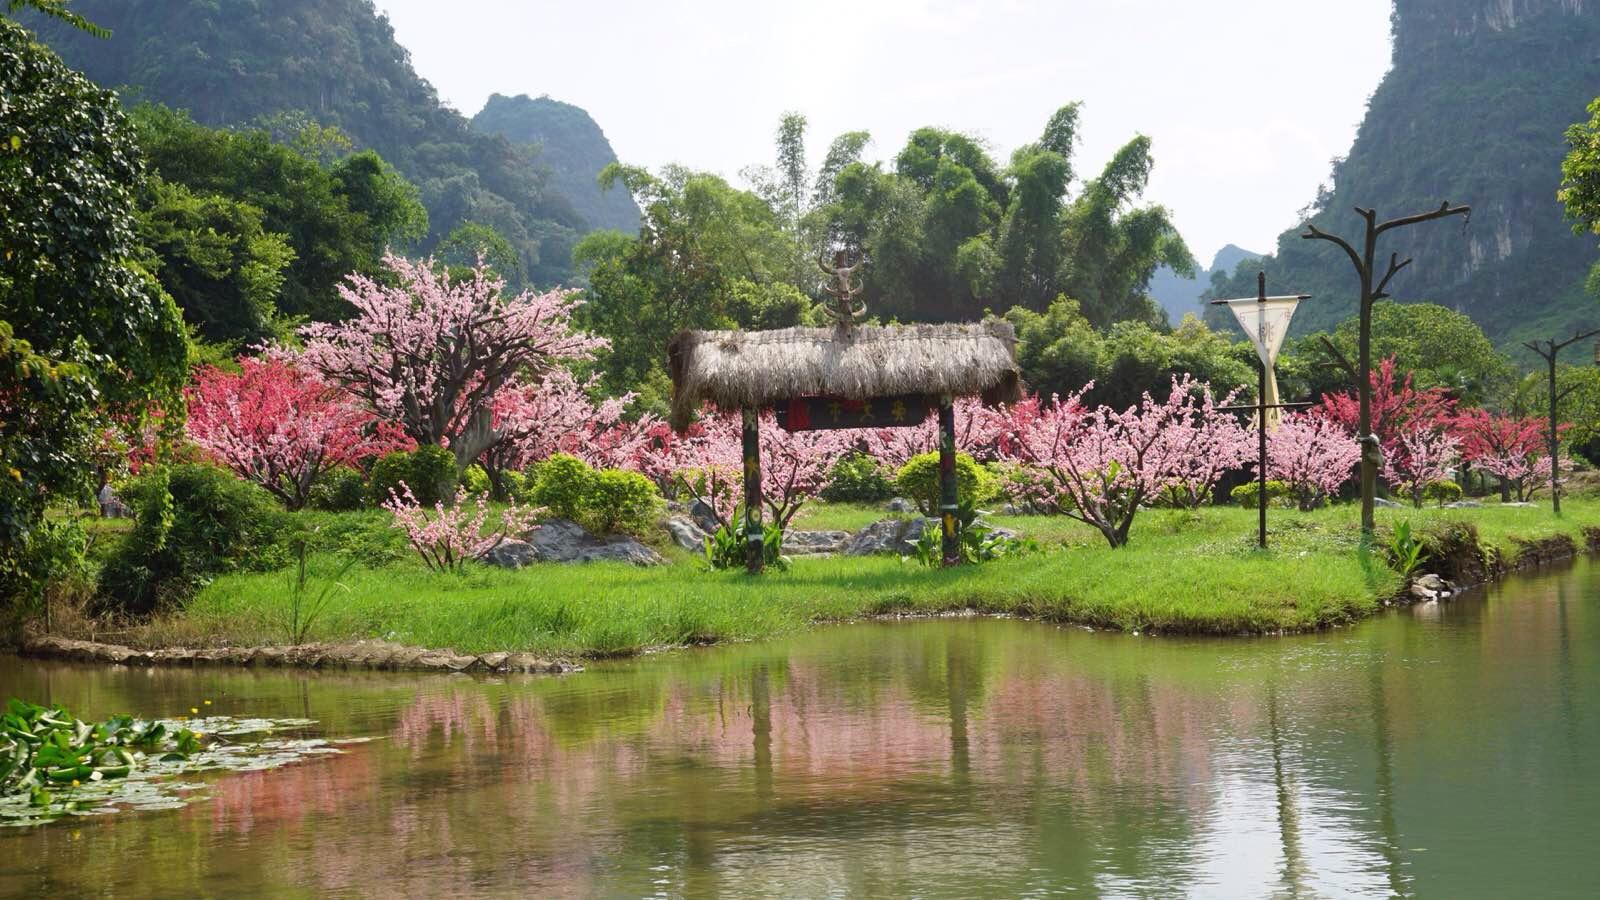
(1464, 566)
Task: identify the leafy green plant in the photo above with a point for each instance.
(44, 749)
(475, 479)
(1406, 551)
(429, 471)
(725, 547)
(192, 521)
(857, 478)
(339, 489)
(1249, 494)
(1442, 492)
(918, 480)
(603, 501)
(976, 541)
(305, 607)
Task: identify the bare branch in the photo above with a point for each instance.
(1576, 337)
(1445, 209)
(1315, 233)
(1340, 359)
(1394, 269)
(1548, 355)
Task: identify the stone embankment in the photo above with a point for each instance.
(379, 655)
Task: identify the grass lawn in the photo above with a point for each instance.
(1196, 572)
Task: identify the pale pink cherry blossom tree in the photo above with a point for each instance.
(1313, 456)
(795, 466)
(280, 426)
(979, 432)
(452, 535)
(1099, 466)
(1202, 444)
(1424, 455)
(532, 421)
(431, 354)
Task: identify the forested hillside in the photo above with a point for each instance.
(1472, 112)
(337, 61)
(572, 147)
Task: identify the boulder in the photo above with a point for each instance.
(686, 534)
(888, 536)
(901, 505)
(512, 555)
(560, 540)
(703, 515)
(809, 543)
(1386, 503)
(1464, 504)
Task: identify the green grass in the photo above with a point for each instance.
(1191, 572)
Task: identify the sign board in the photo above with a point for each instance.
(823, 413)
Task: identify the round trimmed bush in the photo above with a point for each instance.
(857, 478)
(1249, 493)
(918, 480)
(429, 471)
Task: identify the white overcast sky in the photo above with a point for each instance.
(1246, 100)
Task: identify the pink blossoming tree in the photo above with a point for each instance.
(533, 421)
(1423, 456)
(1510, 448)
(454, 534)
(1099, 466)
(432, 354)
(280, 426)
(1313, 455)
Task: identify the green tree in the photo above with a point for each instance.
(337, 219)
(86, 335)
(1439, 346)
(1580, 181)
(214, 257)
(707, 256)
(471, 240)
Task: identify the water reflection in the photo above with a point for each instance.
(1436, 751)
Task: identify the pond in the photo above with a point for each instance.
(1447, 750)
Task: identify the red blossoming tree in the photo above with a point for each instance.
(280, 426)
(1510, 448)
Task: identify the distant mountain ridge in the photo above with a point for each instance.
(1472, 111)
(572, 146)
(1182, 296)
(232, 62)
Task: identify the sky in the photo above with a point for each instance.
(1246, 101)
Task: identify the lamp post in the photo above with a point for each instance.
(1265, 321)
(1551, 349)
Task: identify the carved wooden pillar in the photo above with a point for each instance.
(949, 503)
(752, 492)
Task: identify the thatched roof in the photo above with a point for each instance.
(734, 369)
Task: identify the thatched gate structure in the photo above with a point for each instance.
(846, 376)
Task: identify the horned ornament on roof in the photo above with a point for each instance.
(844, 311)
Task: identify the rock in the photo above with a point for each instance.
(512, 555)
(809, 543)
(1516, 503)
(1386, 503)
(1422, 593)
(1464, 504)
(1431, 581)
(562, 541)
(686, 534)
(901, 505)
(703, 515)
(888, 536)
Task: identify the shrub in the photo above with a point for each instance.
(192, 521)
(339, 489)
(622, 501)
(725, 547)
(1442, 491)
(918, 480)
(609, 500)
(1249, 494)
(475, 480)
(857, 478)
(429, 471)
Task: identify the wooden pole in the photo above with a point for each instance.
(949, 503)
(753, 538)
(1550, 351)
(1261, 418)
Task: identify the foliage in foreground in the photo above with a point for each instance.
(44, 749)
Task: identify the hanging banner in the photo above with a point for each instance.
(1266, 323)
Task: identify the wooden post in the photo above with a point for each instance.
(1261, 422)
(949, 502)
(753, 544)
(1552, 348)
